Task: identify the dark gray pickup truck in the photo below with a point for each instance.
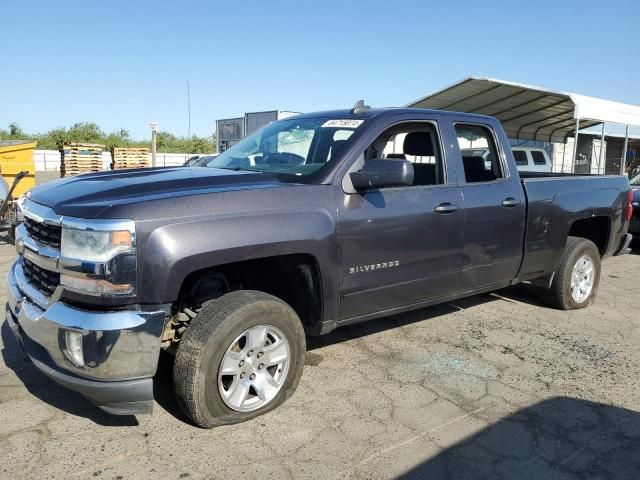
(314, 222)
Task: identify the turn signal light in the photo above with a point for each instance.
(630, 205)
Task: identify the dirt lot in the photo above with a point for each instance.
(494, 386)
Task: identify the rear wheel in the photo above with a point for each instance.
(576, 279)
(242, 356)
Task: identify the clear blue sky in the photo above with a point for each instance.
(124, 63)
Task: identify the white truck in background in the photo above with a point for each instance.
(529, 159)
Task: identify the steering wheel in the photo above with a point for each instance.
(284, 158)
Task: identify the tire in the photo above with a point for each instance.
(559, 294)
(219, 326)
(11, 234)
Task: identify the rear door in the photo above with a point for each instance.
(494, 204)
(402, 245)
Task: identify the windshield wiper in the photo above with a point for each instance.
(235, 169)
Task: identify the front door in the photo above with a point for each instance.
(402, 245)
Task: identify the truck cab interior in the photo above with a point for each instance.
(416, 143)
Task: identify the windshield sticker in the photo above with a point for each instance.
(342, 123)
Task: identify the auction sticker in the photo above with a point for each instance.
(342, 123)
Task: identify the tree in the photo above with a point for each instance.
(15, 131)
(89, 132)
(85, 132)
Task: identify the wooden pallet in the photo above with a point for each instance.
(80, 170)
(129, 157)
(81, 164)
(83, 145)
(131, 162)
(77, 158)
(83, 160)
(121, 150)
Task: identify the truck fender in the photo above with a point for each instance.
(173, 252)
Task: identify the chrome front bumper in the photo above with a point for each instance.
(120, 348)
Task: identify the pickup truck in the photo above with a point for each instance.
(311, 223)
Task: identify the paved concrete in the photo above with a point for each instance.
(494, 386)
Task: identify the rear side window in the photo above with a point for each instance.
(520, 157)
(479, 153)
(538, 158)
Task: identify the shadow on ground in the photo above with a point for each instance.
(163, 392)
(48, 391)
(522, 293)
(559, 438)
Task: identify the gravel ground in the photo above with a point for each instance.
(493, 386)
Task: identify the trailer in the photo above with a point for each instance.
(229, 131)
(256, 120)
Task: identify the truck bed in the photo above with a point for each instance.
(555, 201)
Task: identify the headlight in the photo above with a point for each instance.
(99, 257)
(94, 246)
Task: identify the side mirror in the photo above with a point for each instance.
(380, 173)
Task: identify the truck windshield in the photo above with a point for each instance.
(291, 148)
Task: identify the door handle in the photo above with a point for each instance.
(446, 208)
(510, 202)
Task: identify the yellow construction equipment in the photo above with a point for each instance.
(18, 176)
(15, 157)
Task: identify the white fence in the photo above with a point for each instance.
(49, 160)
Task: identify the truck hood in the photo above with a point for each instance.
(88, 195)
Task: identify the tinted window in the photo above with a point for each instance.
(521, 157)
(479, 153)
(415, 142)
(538, 158)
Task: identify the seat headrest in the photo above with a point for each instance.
(419, 144)
(473, 164)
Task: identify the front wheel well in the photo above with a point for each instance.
(293, 278)
(596, 229)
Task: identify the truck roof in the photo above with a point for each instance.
(379, 112)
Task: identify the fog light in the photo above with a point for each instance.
(73, 347)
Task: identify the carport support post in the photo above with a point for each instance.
(601, 148)
(575, 146)
(623, 160)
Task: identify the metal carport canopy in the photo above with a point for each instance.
(528, 112)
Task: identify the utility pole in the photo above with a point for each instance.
(154, 132)
(189, 110)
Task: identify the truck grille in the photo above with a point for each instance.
(43, 233)
(43, 280)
